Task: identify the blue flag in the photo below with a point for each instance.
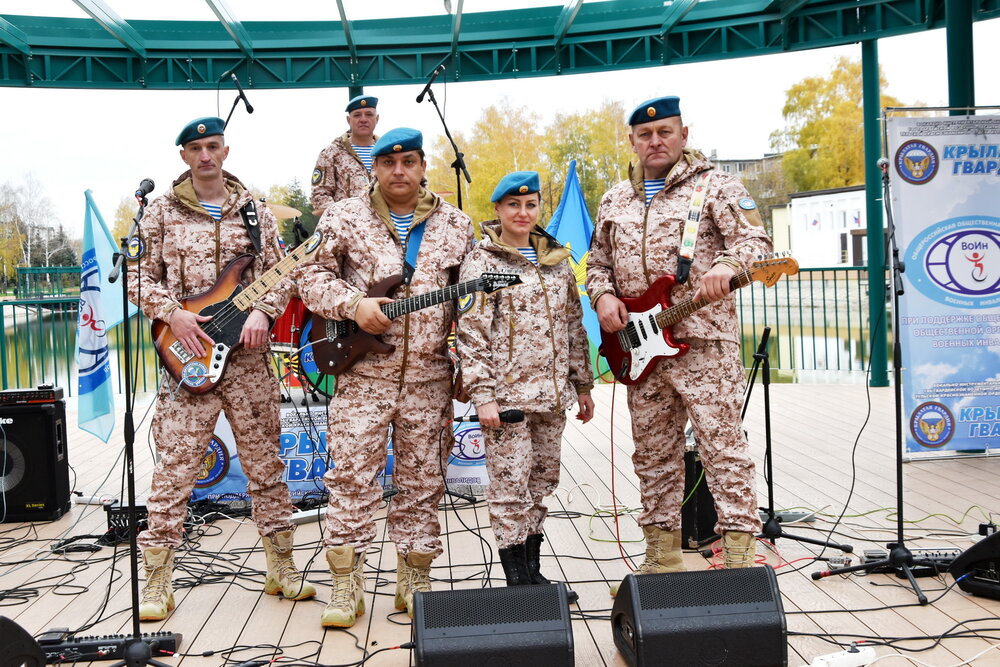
(571, 226)
(100, 310)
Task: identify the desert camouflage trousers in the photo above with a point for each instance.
(182, 430)
(705, 385)
(360, 415)
(522, 460)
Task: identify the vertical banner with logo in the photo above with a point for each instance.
(945, 175)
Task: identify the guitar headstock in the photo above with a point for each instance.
(772, 267)
(491, 282)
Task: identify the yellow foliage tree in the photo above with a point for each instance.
(124, 214)
(823, 139)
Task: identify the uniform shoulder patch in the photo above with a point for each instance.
(747, 204)
(317, 177)
(465, 303)
(135, 248)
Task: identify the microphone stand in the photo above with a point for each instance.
(772, 529)
(459, 164)
(137, 651)
(899, 558)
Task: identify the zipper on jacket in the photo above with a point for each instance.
(510, 334)
(183, 288)
(552, 339)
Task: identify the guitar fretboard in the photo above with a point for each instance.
(679, 311)
(410, 304)
(258, 288)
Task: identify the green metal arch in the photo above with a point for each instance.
(576, 38)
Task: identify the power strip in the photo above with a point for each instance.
(308, 516)
(790, 517)
(853, 657)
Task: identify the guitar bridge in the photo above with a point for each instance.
(178, 351)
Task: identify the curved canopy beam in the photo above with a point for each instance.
(571, 38)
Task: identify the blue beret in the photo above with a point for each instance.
(516, 183)
(361, 102)
(398, 140)
(655, 109)
(199, 128)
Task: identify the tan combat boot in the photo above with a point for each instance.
(413, 573)
(282, 575)
(347, 599)
(158, 594)
(663, 553)
(738, 549)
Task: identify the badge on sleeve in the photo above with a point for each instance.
(135, 248)
(317, 176)
(747, 204)
(465, 303)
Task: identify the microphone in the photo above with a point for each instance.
(507, 416)
(437, 70)
(145, 187)
(243, 96)
(882, 163)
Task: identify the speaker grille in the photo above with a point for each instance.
(12, 465)
(492, 606)
(692, 589)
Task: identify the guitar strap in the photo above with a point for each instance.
(249, 215)
(685, 254)
(413, 240)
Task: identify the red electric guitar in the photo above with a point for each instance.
(633, 352)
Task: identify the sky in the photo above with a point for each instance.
(108, 141)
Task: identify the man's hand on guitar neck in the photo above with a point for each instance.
(714, 284)
(611, 312)
(186, 327)
(370, 317)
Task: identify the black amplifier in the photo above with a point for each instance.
(45, 393)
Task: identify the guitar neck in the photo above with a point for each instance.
(679, 311)
(420, 301)
(258, 288)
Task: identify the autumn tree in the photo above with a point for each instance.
(598, 141)
(823, 139)
(124, 214)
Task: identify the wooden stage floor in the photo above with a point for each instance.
(831, 446)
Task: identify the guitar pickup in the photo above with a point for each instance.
(182, 355)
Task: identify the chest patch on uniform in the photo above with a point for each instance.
(747, 204)
(465, 303)
(317, 176)
(135, 248)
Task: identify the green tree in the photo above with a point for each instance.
(823, 139)
(598, 141)
(768, 187)
(294, 196)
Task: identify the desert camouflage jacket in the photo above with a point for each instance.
(339, 174)
(524, 346)
(180, 250)
(360, 248)
(633, 246)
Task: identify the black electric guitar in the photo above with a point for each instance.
(339, 344)
(633, 352)
(228, 302)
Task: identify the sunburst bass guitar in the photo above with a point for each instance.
(228, 302)
(339, 344)
(633, 352)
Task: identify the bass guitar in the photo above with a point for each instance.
(339, 344)
(633, 352)
(228, 302)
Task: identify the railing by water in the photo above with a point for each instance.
(818, 320)
(39, 346)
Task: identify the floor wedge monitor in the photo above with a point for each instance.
(731, 618)
(34, 466)
(514, 626)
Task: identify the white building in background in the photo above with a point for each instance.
(828, 227)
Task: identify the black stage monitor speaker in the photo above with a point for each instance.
(34, 467)
(977, 570)
(698, 516)
(514, 626)
(711, 617)
(17, 647)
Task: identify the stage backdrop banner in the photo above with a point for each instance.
(945, 184)
(303, 451)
